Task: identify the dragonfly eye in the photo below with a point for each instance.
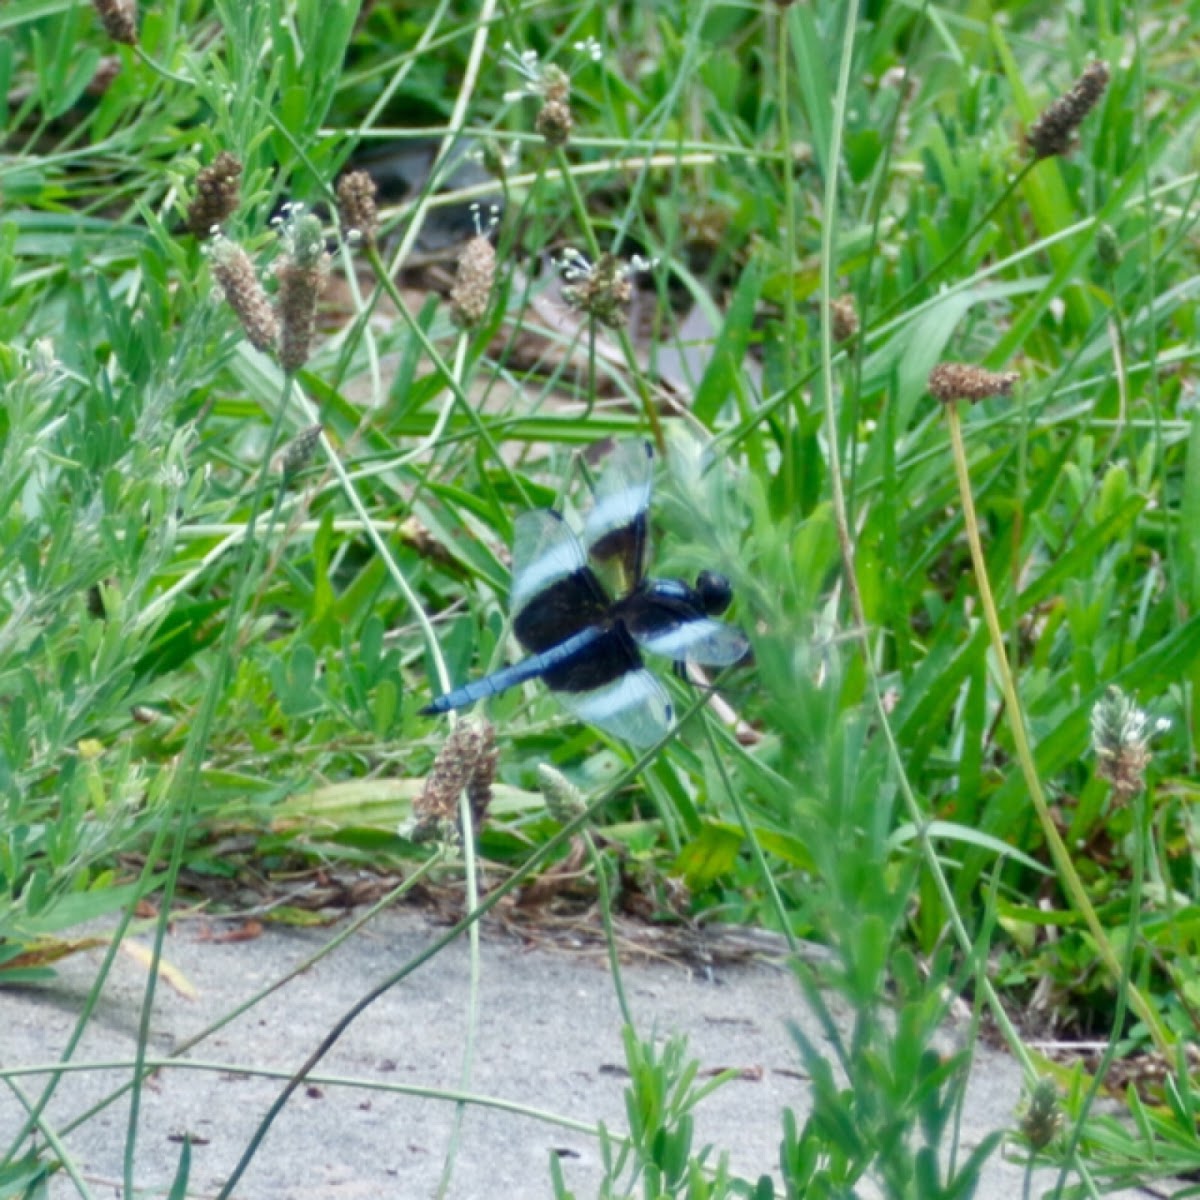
(714, 591)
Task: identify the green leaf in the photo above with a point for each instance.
(952, 832)
(708, 856)
(1189, 520)
(723, 375)
(179, 1185)
(812, 76)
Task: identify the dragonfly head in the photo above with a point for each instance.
(714, 591)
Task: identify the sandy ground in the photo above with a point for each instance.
(549, 1037)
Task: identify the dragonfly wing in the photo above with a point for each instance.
(617, 527)
(599, 677)
(633, 707)
(555, 594)
(699, 640)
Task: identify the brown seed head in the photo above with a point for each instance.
(554, 122)
(483, 774)
(299, 451)
(218, 193)
(302, 273)
(962, 381)
(1121, 734)
(466, 761)
(119, 18)
(473, 283)
(358, 209)
(845, 318)
(238, 281)
(1054, 132)
(603, 290)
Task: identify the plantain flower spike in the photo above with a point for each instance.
(1121, 734)
(601, 289)
(552, 85)
(1055, 132)
(1042, 1120)
(467, 760)
(471, 293)
(962, 381)
(302, 272)
(119, 18)
(845, 318)
(243, 292)
(358, 209)
(218, 193)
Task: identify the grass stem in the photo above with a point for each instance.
(1067, 874)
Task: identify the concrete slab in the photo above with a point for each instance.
(549, 1037)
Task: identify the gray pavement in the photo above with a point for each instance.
(548, 1037)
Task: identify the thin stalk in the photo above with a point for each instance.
(604, 896)
(1068, 876)
(589, 236)
(475, 973)
(807, 983)
(223, 1067)
(142, 889)
(846, 546)
(953, 255)
(54, 1139)
(375, 538)
(882, 327)
(791, 333)
(1149, 261)
(1143, 844)
(440, 365)
(756, 850)
(424, 44)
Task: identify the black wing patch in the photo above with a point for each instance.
(555, 593)
(617, 527)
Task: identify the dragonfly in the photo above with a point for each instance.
(586, 644)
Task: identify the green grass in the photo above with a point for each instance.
(191, 644)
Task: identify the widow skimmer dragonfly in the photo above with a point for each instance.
(585, 645)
